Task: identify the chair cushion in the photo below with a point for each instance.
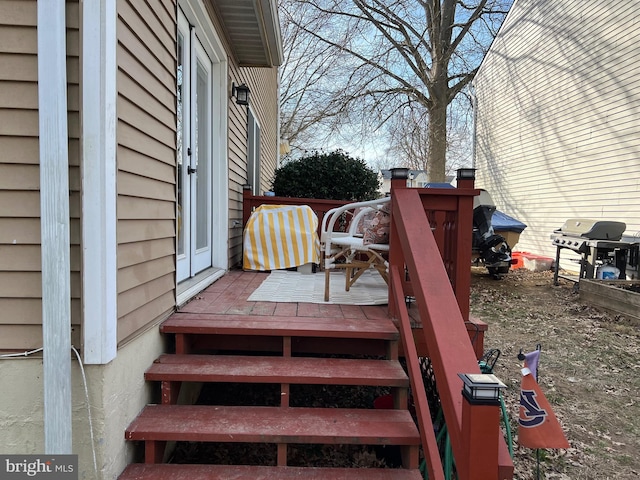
(378, 230)
(364, 222)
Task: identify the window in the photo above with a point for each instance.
(253, 153)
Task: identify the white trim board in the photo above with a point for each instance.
(98, 170)
(197, 15)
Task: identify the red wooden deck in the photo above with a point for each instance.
(220, 336)
(229, 296)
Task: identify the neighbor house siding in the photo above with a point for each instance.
(20, 260)
(146, 137)
(558, 116)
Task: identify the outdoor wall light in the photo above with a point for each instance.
(481, 388)
(241, 93)
(466, 174)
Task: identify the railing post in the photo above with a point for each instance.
(246, 204)
(399, 178)
(465, 177)
(464, 242)
(396, 258)
(480, 427)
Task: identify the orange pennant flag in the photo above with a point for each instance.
(539, 427)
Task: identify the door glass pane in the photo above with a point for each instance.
(179, 143)
(202, 157)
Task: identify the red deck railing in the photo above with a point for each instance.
(423, 413)
(450, 215)
(420, 251)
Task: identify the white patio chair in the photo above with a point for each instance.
(348, 250)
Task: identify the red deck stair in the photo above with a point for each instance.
(141, 471)
(259, 369)
(213, 423)
(207, 345)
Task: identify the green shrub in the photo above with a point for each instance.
(334, 175)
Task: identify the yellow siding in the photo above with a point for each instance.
(558, 118)
(146, 163)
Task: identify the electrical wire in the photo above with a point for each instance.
(22, 354)
(86, 394)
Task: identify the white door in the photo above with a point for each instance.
(194, 153)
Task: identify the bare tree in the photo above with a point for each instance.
(312, 97)
(408, 139)
(406, 55)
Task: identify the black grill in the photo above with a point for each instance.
(597, 242)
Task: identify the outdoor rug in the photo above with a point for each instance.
(287, 286)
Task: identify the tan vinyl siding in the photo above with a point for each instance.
(263, 83)
(131, 323)
(20, 260)
(558, 117)
(266, 86)
(134, 253)
(237, 146)
(73, 126)
(146, 163)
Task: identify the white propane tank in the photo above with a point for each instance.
(607, 272)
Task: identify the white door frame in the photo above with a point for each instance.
(183, 213)
(200, 24)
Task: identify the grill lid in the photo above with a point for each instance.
(593, 229)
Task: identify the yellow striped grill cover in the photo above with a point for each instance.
(281, 236)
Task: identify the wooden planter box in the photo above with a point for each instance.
(610, 295)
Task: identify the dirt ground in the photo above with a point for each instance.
(589, 371)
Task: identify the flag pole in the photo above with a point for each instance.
(536, 370)
(538, 348)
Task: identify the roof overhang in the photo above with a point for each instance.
(253, 29)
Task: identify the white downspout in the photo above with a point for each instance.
(54, 224)
(474, 120)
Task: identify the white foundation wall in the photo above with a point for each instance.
(117, 393)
